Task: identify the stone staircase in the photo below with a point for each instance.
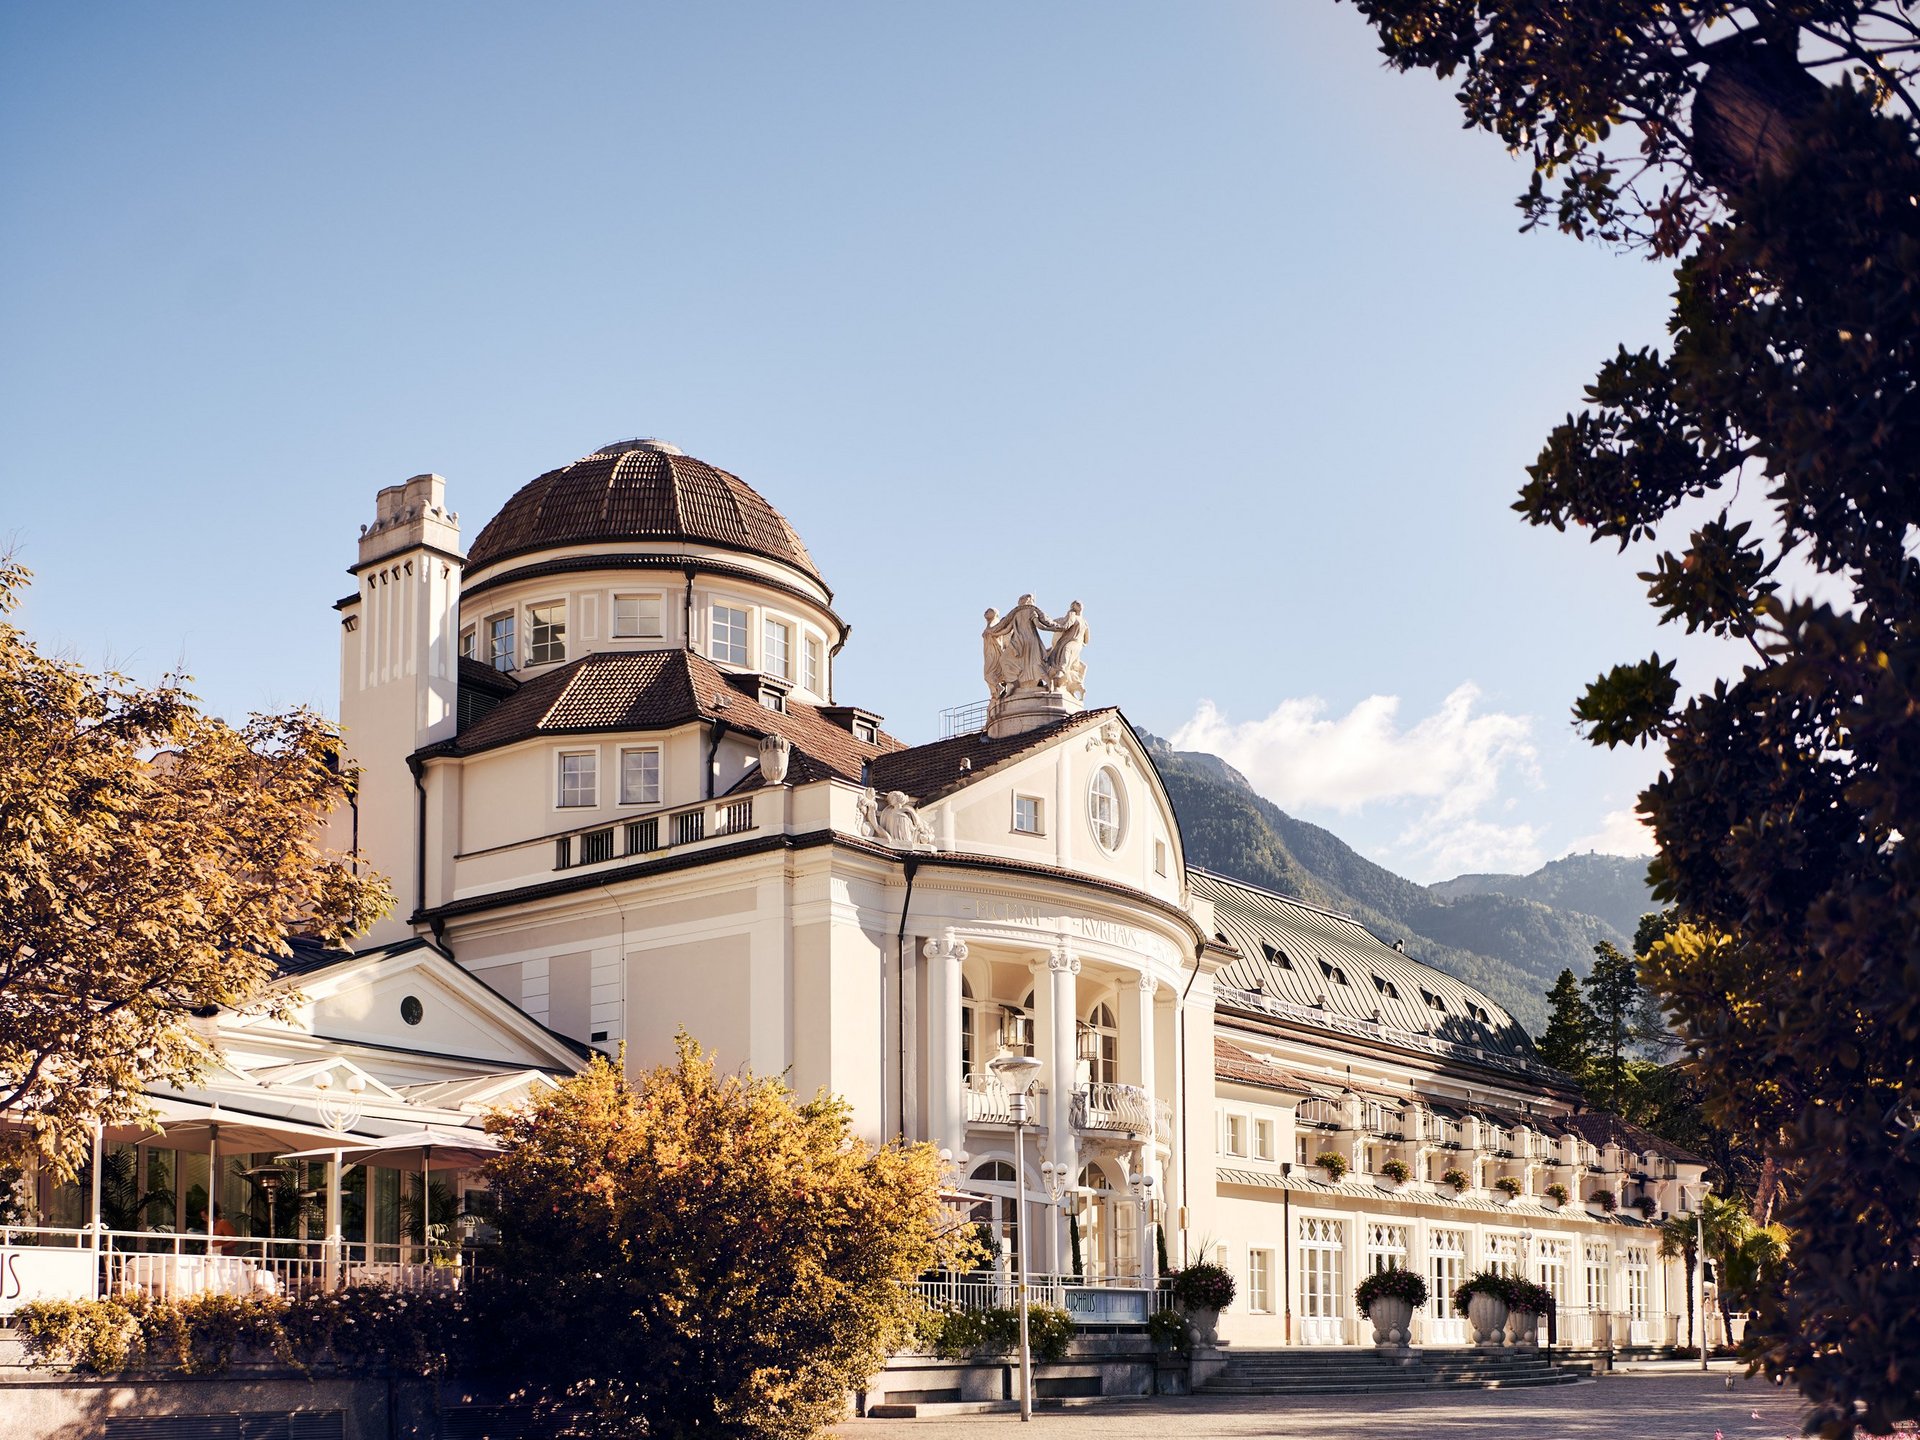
(1316, 1371)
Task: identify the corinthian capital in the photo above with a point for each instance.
(1147, 984)
(1063, 959)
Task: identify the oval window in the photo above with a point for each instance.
(411, 1010)
(1106, 811)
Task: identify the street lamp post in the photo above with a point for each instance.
(1017, 1074)
(1700, 1276)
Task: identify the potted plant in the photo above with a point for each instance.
(1483, 1300)
(1526, 1303)
(1603, 1200)
(1456, 1178)
(1509, 1186)
(1202, 1291)
(1558, 1193)
(1646, 1205)
(1332, 1162)
(1389, 1298)
(1396, 1171)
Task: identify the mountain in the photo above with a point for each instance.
(1612, 887)
(1498, 936)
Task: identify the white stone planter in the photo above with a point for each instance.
(1392, 1322)
(1523, 1329)
(1206, 1328)
(1487, 1314)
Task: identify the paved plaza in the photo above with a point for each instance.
(1659, 1406)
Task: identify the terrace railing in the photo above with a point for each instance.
(80, 1263)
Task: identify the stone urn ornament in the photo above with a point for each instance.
(1388, 1298)
(1202, 1291)
(1483, 1300)
(1526, 1303)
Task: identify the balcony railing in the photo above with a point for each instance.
(1113, 1109)
(662, 831)
(989, 1104)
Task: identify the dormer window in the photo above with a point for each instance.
(727, 635)
(1333, 973)
(547, 633)
(1276, 956)
(1434, 1002)
(1385, 987)
(866, 730)
(774, 697)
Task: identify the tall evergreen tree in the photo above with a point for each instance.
(1613, 999)
(1567, 1042)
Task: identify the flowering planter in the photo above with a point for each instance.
(1487, 1314)
(1392, 1322)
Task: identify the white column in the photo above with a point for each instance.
(1062, 1068)
(946, 1101)
(333, 1249)
(1147, 987)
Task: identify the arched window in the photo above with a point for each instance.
(1100, 1046)
(1106, 812)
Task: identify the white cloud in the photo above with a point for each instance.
(1621, 832)
(1450, 765)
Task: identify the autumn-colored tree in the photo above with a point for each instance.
(153, 862)
(702, 1254)
(1773, 148)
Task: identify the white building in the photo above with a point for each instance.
(606, 767)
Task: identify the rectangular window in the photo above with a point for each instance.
(776, 649)
(467, 644)
(728, 639)
(1160, 857)
(580, 779)
(637, 617)
(810, 669)
(640, 776)
(1260, 1281)
(1263, 1139)
(500, 645)
(1236, 1134)
(547, 633)
(866, 730)
(1026, 814)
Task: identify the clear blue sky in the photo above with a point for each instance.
(1193, 313)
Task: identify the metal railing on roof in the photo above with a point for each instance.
(963, 719)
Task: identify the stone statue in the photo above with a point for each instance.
(869, 807)
(1031, 682)
(1066, 671)
(994, 656)
(900, 823)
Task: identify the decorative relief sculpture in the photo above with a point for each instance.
(893, 820)
(1031, 681)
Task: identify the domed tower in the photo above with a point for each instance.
(641, 547)
(634, 549)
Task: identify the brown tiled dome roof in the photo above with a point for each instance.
(638, 490)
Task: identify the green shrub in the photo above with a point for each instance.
(958, 1334)
(361, 1328)
(1168, 1331)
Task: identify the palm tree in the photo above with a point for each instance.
(1729, 1229)
(1677, 1237)
(123, 1205)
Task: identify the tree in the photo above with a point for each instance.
(1779, 431)
(1613, 1000)
(1567, 1042)
(153, 861)
(703, 1255)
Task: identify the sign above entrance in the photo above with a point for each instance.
(1086, 927)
